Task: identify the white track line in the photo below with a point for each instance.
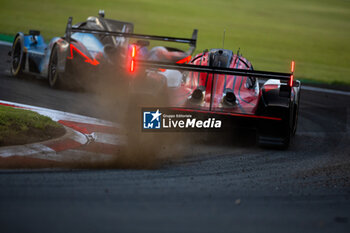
(5, 43)
(26, 150)
(324, 90)
(112, 139)
(308, 88)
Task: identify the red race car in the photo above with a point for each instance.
(220, 82)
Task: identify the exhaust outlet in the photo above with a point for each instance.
(229, 98)
(197, 95)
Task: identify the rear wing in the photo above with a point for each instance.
(191, 41)
(287, 78)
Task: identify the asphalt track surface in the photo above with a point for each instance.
(236, 188)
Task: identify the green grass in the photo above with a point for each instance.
(19, 126)
(270, 33)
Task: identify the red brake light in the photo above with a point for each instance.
(133, 51)
(132, 66)
(292, 75)
(132, 58)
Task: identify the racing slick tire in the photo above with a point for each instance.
(17, 57)
(295, 115)
(54, 77)
(278, 135)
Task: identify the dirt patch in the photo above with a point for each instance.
(33, 135)
(18, 126)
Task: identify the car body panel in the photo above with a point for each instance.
(91, 49)
(37, 53)
(221, 83)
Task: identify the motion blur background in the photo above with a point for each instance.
(270, 33)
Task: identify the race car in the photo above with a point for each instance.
(87, 52)
(220, 82)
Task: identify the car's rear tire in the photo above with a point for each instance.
(296, 115)
(276, 135)
(268, 140)
(54, 78)
(17, 61)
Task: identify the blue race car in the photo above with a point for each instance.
(89, 51)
